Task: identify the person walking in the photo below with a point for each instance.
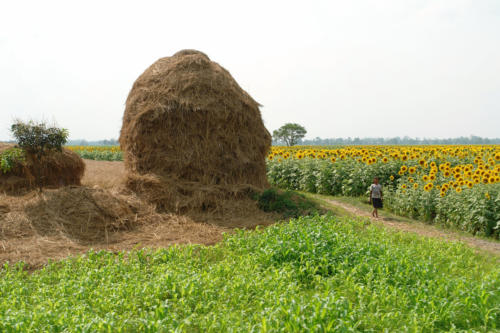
(376, 196)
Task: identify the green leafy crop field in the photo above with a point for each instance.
(311, 274)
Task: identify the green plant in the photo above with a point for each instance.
(287, 203)
(344, 177)
(10, 158)
(99, 153)
(314, 274)
(475, 210)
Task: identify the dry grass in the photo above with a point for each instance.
(106, 175)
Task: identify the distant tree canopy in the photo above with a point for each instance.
(290, 134)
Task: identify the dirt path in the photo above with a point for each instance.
(420, 228)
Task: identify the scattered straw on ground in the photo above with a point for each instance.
(71, 220)
(102, 214)
(104, 174)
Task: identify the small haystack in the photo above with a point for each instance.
(58, 169)
(82, 213)
(191, 136)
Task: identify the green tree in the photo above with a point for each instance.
(290, 133)
(38, 140)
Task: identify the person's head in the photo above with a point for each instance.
(375, 180)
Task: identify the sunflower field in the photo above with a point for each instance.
(100, 153)
(451, 185)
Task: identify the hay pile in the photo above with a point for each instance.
(81, 213)
(191, 136)
(57, 169)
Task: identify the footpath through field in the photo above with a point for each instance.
(407, 225)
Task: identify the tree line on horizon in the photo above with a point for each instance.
(472, 140)
(463, 140)
(291, 134)
(83, 142)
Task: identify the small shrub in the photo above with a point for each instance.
(288, 203)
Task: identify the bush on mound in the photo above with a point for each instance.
(190, 131)
(57, 169)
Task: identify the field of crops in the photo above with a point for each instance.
(99, 153)
(455, 186)
(449, 185)
(314, 274)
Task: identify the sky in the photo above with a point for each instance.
(339, 68)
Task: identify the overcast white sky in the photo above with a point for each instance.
(340, 68)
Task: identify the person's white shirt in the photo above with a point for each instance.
(376, 190)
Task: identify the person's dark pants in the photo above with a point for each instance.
(377, 203)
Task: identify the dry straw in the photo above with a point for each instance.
(191, 136)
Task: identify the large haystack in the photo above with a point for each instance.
(187, 126)
(57, 169)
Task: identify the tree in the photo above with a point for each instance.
(38, 140)
(290, 133)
